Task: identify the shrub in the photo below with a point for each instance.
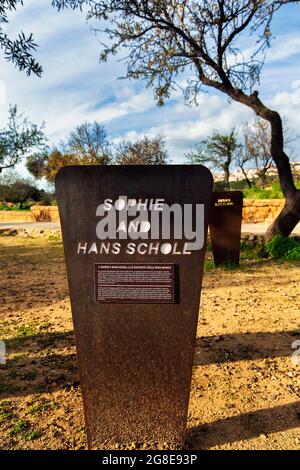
(283, 248)
(271, 192)
(294, 254)
(256, 192)
(17, 190)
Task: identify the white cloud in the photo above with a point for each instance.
(288, 104)
(2, 93)
(193, 124)
(283, 48)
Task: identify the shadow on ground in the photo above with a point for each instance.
(34, 368)
(244, 426)
(244, 347)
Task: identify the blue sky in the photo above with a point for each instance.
(76, 88)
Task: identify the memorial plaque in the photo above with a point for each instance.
(225, 225)
(134, 283)
(134, 240)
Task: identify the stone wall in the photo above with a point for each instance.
(254, 211)
(16, 216)
(45, 213)
(261, 210)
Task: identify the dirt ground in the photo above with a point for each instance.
(245, 391)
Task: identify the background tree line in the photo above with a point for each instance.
(89, 144)
(248, 150)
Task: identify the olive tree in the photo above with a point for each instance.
(145, 151)
(18, 138)
(17, 50)
(89, 143)
(218, 152)
(164, 38)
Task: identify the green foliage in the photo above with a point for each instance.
(229, 265)
(19, 427)
(217, 152)
(272, 191)
(285, 248)
(208, 265)
(256, 192)
(18, 51)
(48, 164)
(6, 410)
(17, 190)
(54, 238)
(32, 435)
(163, 39)
(146, 151)
(16, 207)
(88, 145)
(36, 163)
(88, 142)
(40, 406)
(293, 254)
(25, 331)
(47, 198)
(18, 138)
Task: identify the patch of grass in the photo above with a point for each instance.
(8, 388)
(54, 238)
(208, 265)
(256, 192)
(285, 248)
(13, 374)
(229, 265)
(6, 416)
(29, 375)
(15, 207)
(5, 404)
(6, 410)
(253, 252)
(248, 252)
(209, 246)
(19, 427)
(25, 331)
(271, 192)
(293, 254)
(31, 435)
(5, 329)
(40, 406)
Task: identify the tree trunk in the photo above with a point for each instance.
(289, 217)
(246, 177)
(226, 176)
(262, 177)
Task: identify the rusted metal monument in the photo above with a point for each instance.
(225, 223)
(134, 240)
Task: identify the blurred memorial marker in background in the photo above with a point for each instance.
(225, 225)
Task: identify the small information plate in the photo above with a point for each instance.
(136, 283)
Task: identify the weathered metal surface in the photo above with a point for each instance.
(135, 360)
(225, 225)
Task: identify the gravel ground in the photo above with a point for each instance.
(245, 391)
